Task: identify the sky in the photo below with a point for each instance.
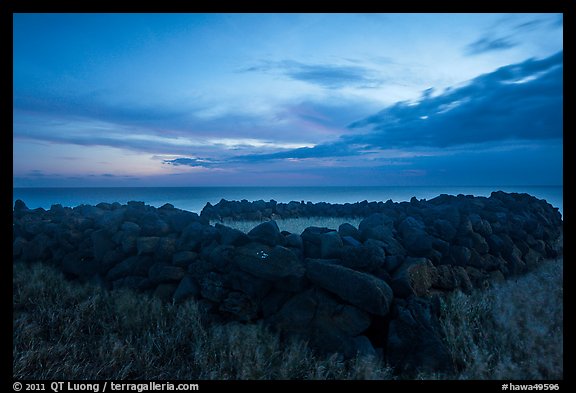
(287, 99)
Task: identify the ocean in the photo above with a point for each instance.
(195, 198)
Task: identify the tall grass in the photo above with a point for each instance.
(513, 331)
(294, 225)
(68, 330)
(65, 330)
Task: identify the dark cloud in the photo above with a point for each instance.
(193, 162)
(324, 75)
(489, 44)
(519, 101)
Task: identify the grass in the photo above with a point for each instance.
(513, 331)
(65, 330)
(295, 225)
(68, 330)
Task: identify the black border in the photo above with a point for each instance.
(8, 7)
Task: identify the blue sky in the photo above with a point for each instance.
(287, 99)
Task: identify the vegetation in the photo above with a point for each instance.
(67, 330)
(513, 331)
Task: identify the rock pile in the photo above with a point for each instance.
(371, 290)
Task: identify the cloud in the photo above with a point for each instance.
(328, 76)
(489, 44)
(519, 101)
(188, 161)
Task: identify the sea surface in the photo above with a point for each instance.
(195, 198)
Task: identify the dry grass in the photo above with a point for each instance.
(295, 225)
(65, 330)
(513, 331)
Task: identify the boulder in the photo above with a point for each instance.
(268, 263)
(415, 239)
(414, 277)
(451, 278)
(348, 230)
(241, 306)
(184, 258)
(132, 266)
(188, 288)
(312, 240)
(365, 291)
(231, 237)
(294, 240)
(330, 245)
(165, 291)
(365, 258)
(212, 287)
(160, 272)
(267, 233)
(147, 245)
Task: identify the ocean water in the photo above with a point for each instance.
(195, 198)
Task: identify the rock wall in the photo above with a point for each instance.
(371, 290)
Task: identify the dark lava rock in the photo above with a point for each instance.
(360, 289)
(267, 233)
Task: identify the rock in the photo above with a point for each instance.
(267, 233)
(101, 244)
(130, 282)
(312, 239)
(20, 206)
(393, 262)
(18, 246)
(160, 272)
(350, 241)
(414, 339)
(268, 263)
(212, 287)
(446, 231)
(165, 292)
(241, 306)
(415, 277)
(294, 240)
(415, 239)
(460, 255)
(147, 245)
(184, 258)
(252, 286)
(131, 228)
(330, 245)
(196, 235)
(362, 290)
(365, 258)
(480, 244)
(452, 277)
(231, 237)
(132, 266)
(188, 288)
(348, 230)
(329, 326)
(165, 249)
(37, 249)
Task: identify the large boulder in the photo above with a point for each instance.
(268, 263)
(327, 324)
(365, 258)
(230, 236)
(365, 291)
(330, 245)
(267, 233)
(414, 277)
(414, 236)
